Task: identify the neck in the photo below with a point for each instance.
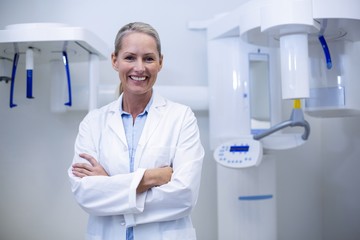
(135, 104)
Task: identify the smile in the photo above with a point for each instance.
(138, 78)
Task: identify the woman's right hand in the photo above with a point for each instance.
(93, 168)
(154, 177)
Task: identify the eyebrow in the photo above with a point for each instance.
(150, 53)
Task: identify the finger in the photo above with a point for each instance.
(79, 172)
(85, 166)
(89, 158)
(85, 156)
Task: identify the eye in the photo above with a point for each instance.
(129, 58)
(149, 59)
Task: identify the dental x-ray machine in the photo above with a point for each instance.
(309, 45)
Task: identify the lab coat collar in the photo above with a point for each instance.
(152, 122)
(151, 125)
(153, 119)
(115, 121)
(158, 102)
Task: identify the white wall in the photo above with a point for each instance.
(341, 178)
(317, 184)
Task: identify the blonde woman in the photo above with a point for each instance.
(137, 164)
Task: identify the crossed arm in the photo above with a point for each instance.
(151, 178)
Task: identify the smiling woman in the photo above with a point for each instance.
(138, 63)
(145, 33)
(138, 160)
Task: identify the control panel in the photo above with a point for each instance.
(239, 153)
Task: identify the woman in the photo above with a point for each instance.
(138, 160)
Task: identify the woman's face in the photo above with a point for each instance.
(138, 63)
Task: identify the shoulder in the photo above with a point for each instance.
(170, 111)
(164, 104)
(102, 113)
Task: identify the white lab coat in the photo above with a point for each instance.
(170, 138)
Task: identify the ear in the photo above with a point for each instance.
(161, 62)
(114, 61)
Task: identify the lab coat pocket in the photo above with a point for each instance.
(181, 234)
(159, 156)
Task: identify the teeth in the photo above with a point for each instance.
(138, 78)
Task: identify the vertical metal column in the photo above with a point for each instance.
(94, 76)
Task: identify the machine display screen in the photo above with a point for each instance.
(239, 148)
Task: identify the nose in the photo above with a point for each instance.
(139, 66)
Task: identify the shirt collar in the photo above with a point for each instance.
(146, 110)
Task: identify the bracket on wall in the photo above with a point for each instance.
(52, 40)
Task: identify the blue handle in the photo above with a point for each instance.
(29, 83)
(15, 62)
(326, 51)
(255, 197)
(66, 64)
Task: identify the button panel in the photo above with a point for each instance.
(239, 153)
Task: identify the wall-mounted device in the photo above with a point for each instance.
(43, 42)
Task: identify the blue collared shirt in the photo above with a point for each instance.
(133, 129)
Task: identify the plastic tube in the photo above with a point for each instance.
(29, 72)
(324, 44)
(326, 51)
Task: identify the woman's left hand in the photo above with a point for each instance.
(84, 169)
